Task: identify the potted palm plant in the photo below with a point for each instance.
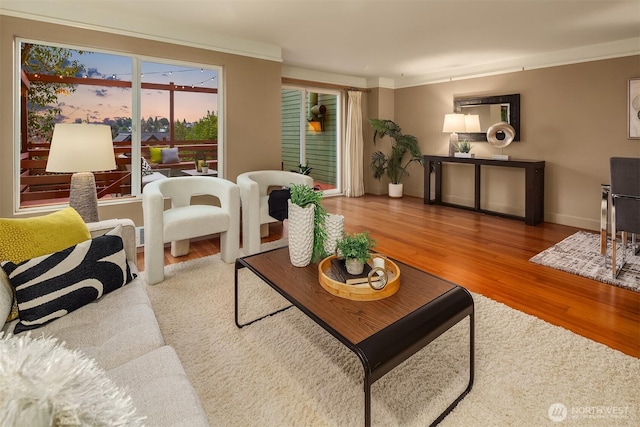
(356, 250)
(396, 163)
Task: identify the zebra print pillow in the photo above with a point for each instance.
(50, 286)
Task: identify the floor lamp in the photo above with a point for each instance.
(82, 149)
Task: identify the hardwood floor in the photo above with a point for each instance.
(487, 255)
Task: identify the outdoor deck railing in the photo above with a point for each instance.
(40, 187)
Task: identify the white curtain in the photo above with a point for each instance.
(354, 179)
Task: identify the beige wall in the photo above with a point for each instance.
(573, 117)
(251, 95)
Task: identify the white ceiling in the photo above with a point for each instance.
(397, 42)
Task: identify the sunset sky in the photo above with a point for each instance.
(96, 103)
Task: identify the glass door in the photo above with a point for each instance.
(311, 135)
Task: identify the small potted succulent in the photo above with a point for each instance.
(463, 149)
(356, 251)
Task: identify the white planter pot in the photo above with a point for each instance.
(395, 190)
(300, 229)
(354, 266)
(334, 225)
(465, 155)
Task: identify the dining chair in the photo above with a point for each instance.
(625, 206)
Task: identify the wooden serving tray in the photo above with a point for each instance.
(361, 292)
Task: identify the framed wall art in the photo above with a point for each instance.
(633, 109)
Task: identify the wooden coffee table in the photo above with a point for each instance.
(383, 333)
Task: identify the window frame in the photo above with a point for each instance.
(136, 90)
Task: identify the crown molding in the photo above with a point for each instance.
(208, 41)
(618, 49)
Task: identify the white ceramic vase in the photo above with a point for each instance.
(300, 225)
(334, 226)
(395, 190)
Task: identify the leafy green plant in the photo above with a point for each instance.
(394, 165)
(303, 196)
(356, 245)
(463, 146)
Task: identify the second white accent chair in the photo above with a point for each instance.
(184, 220)
(254, 194)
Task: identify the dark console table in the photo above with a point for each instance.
(534, 184)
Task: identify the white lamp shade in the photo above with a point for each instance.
(454, 123)
(81, 147)
(472, 123)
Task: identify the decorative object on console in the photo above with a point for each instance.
(306, 222)
(500, 135)
(463, 149)
(82, 148)
(393, 165)
(46, 384)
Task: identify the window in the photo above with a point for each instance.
(159, 105)
(311, 134)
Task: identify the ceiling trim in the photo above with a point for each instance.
(618, 49)
(214, 42)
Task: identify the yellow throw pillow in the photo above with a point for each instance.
(156, 154)
(26, 238)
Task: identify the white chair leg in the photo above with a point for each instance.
(180, 248)
(264, 230)
(154, 262)
(229, 246)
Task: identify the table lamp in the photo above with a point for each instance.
(472, 123)
(454, 123)
(82, 149)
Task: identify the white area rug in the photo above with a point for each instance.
(580, 254)
(287, 371)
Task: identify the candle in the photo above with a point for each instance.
(378, 262)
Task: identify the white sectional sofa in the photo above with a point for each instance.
(121, 333)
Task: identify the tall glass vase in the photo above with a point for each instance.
(300, 224)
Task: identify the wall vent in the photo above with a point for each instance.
(139, 236)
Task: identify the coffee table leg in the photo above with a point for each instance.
(239, 266)
(367, 399)
(367, 380)
(471, 371)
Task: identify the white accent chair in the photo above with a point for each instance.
(254, 194)
(184, 221)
